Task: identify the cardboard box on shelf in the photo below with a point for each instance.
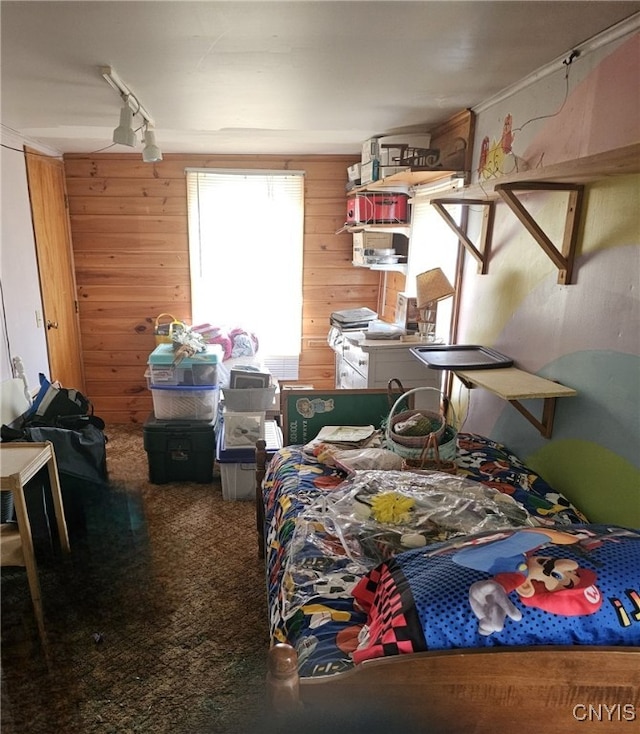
(370, 150)
(390, 155)
(369, 241)
(386, 171)
(370, 172)
(354, 172)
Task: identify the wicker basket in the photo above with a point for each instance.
(413, 447)
(430, 460)
(430, 423)
(164, 332)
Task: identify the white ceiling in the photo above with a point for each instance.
(273, 77)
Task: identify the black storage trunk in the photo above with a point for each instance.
(179, 450)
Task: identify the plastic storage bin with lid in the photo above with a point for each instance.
(200, 369)
(238, 466)
(179, 451)
(189, 402)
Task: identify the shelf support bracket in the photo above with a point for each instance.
(481, 254)
(545, 426)
(564, 258)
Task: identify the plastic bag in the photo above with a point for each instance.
(350, 460)
(374, 515)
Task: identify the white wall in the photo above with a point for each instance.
(584, 335)
(23, 331)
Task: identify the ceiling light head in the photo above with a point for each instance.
(151, 153)
(124, 134)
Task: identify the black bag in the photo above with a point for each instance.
(80, 450)
(80, 453)
(51, 402)
(65, 417)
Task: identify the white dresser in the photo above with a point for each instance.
(362, 363)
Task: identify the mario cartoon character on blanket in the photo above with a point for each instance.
(557, 585)
(518, 587)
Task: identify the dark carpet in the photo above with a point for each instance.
(156, 622)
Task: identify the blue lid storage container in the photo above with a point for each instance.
(238, 466)
(199, 369)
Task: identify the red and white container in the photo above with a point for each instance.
(379, 208)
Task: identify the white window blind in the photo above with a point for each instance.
(245, 245)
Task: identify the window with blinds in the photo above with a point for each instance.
(245, 244)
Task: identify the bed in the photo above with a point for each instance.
(441, 604)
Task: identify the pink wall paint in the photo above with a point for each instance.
(602, 113)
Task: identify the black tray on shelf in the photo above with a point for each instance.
(460, 357)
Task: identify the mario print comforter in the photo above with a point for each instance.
(338, 606)
(579, 584)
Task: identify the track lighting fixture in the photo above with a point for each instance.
(125, 134)
(151, 153)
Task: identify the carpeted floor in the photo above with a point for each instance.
(157, 621)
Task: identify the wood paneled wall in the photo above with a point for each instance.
(129, 234)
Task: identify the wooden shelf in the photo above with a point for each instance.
(409, 179)
(389, 267)
(618, 162)
(513, 385)
(567, 178)
(562, 257)
(400, 227)
(452, 140)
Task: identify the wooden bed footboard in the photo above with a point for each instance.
(550, 690)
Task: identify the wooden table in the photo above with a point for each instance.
(20, 462)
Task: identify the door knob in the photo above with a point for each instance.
(52, 324)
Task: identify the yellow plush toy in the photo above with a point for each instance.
(391, 507)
